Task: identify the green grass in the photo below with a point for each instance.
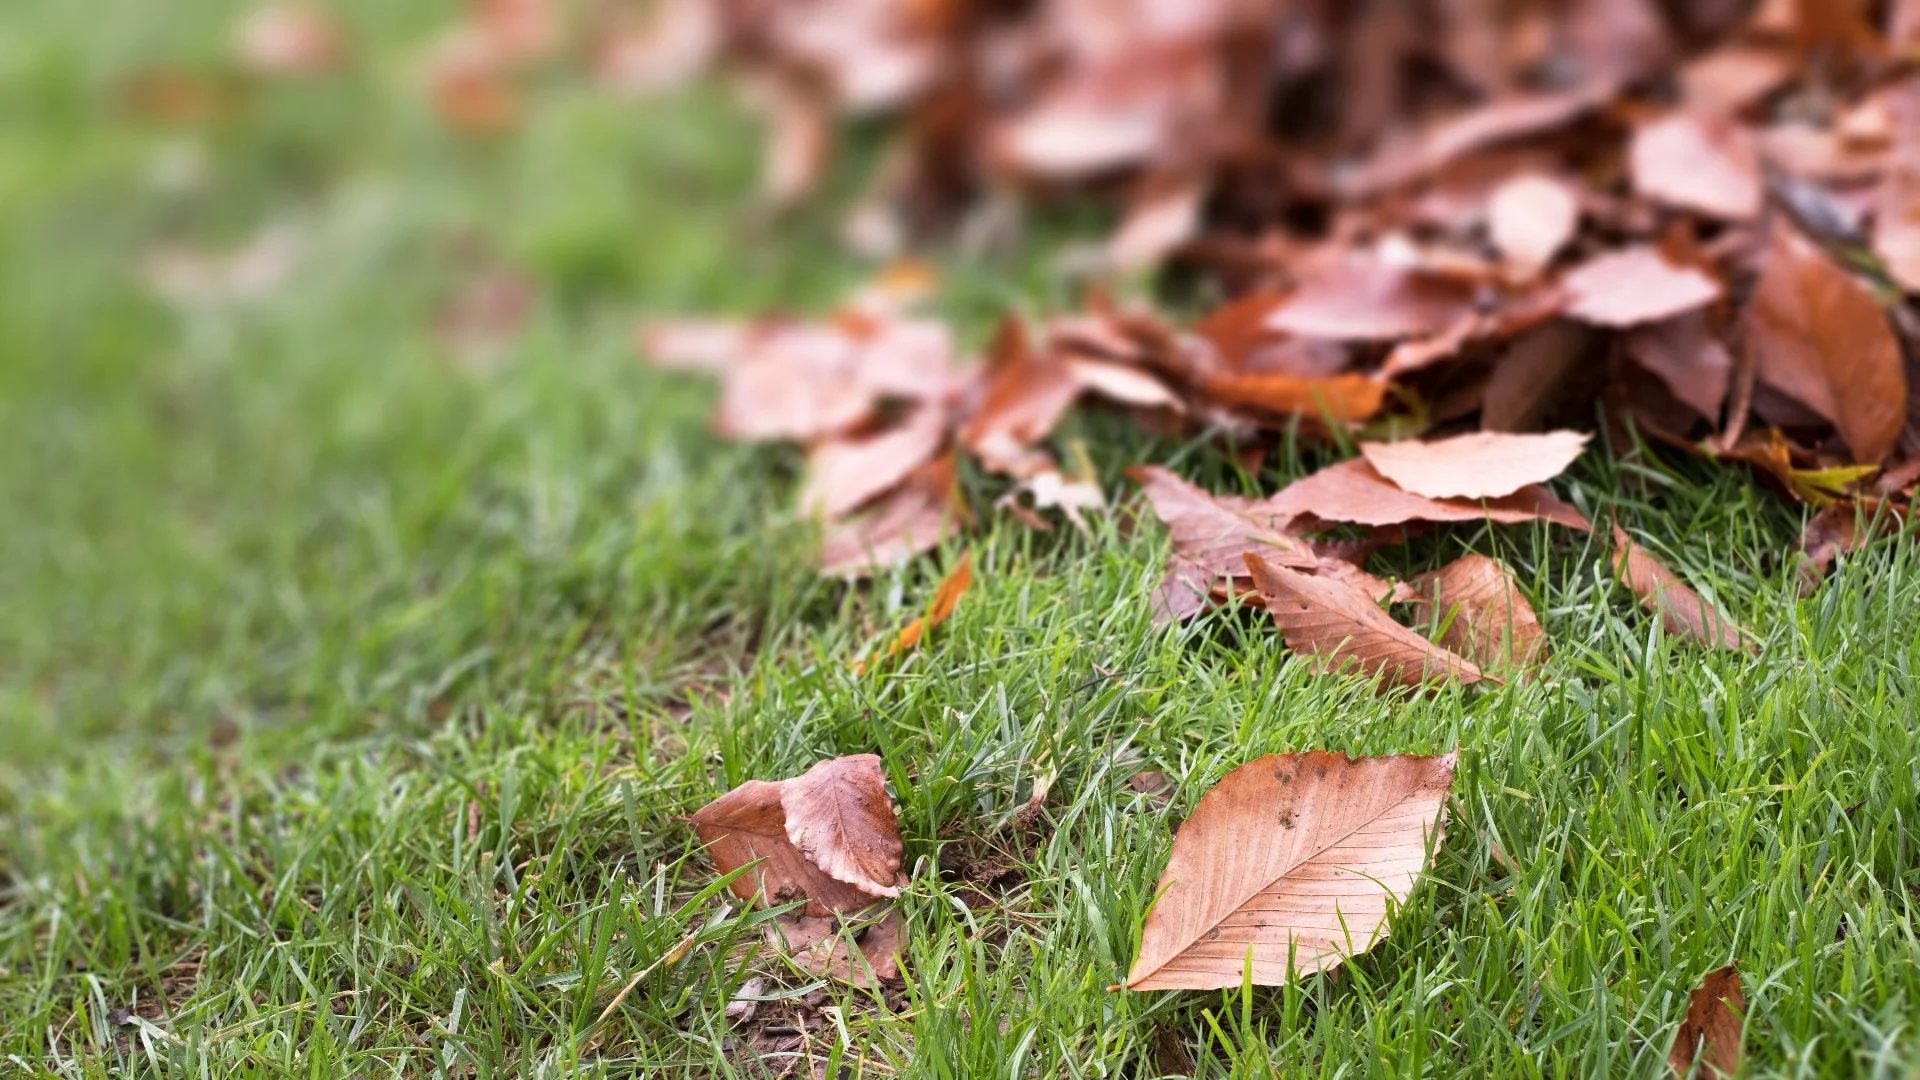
(352, 702)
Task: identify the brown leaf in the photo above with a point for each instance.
(1485, 617)
(864, 955)
(1478, 128)
(827, 837)
(1371, 301)
(693, 344)
(1819, 336)
(805, 381)
(798, 141)
(1698, 162)
(1124, 383)
(1684, 612)
(844, 472)
(1532, 377)
(910, 519)
(1710, 1030)
(1336, 399)
(1635, 285)
(1212, 536)
(1531, 217)
(1352, 491)
(1479, 465)
(945, 599)
(1896, 219)
(1332, 620)
(1024, 398)
(1684, 353)
(1288, 866)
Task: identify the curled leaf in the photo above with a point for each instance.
(1710, 1031)
(1330, 619)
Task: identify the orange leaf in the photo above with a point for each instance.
(1710, 1031)
(1480, 465)
(945, 599)
(1328, 618)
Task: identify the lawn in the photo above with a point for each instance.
(353, 696)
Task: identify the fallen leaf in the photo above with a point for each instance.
(693, 344)
(1530, 218)
(1212, 536)
(945, 599)
(1819, 336)
(1896, 218)
(1370, 301)
(1164, 214)
(1685, 354)
(1482, 613)
(1682, 611)
(1531, 377)
(290, 40)
(1024, 398)
(827, 837)
(1698, 162)
(1123, 383)
(1288, 866)
(1478, 128)
(845, 472)
(1635, 285)
(858, 953)
(1336, 399)
(910, 519)
(1479, 465)
(1710, 1030)
(1338, 623)
(799, 140)
(1352, 491)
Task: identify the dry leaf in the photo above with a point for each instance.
(1819, 336)
(1371, 301)
(1288, 866)
(1123, 383)
(910, 519)
(1480, 465)
(1483, 615)
(1530, 218)
(1530, 379)
(863, 954)
(845, 472)
(1212, 536)
(1684, 612)
(1024, 398)
(1353, 492)
(1337, 399)
(693, 344)
(1685, 355)
(945, 599)
(1710, 1031)
(1635, 285)
(1698, 162)
(827, 837)
(1331, 619)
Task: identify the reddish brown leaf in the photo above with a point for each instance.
(827, 837)
(1684, 353)
(1344, 627)
(910, 519)
(1124, 383)
(1336, 399)
(1482, 613)
(1698, 162)
(1682, 611)
(1531, 217)
(945, 599)
(1635, 285)
(1531, 377)
(845, 472)
(1352, 491)
(1480, 465)
(1288, 866)
(808, 381)
(1164, 213)
(1371, 301)
(863, 953)
(1896, 220)
(1476, 129)
(1023, 401)
(1818, 336)
(1212, 536)
(1734, 76)
(1710, 1031)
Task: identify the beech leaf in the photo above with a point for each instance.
(1482, 614)
(1212, 535)
(1531, 217)
(1353, 491)
(1685, 613)
(827, 837)
(1698, 162)
(1331, 619)
(1710, 1031)
(1481, 465)
(1288, 866)
(1635, 285)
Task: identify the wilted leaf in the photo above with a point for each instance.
(1818, 336)
(1338, 399)
(845, 471)
(1025, 397)
(1371, 301)
(827, 837)
(1698, 162)
(1352, 491)
(1685, 355)
(1635, 285)
(1710, 1031)
(1479, 465)
(905, 522)
(1211, 537)
(861, 953)
(1684, 612)
(1288, 866)
(1124, 383)
(1482, 613)
(1531, 217)
(1331, 619)
(945, 599)
(1495, 121)
(1529, 379)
